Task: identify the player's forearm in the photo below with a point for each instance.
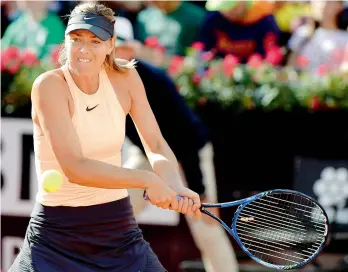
(92, 173)
(165, 164)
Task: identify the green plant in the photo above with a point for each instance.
(18, 73)
(261, 83)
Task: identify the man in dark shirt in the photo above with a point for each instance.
(240, 28)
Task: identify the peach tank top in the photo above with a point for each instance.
(99, 121)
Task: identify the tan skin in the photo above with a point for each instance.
(330, 12)
(52, 115)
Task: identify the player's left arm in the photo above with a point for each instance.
(160, 155)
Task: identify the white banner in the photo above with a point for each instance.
(14, 173)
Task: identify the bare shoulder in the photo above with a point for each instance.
(49, 96)
(48, 85)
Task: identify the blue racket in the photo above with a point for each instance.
(281, 229)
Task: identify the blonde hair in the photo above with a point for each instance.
(111, 61)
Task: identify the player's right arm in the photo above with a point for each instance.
(50, 101)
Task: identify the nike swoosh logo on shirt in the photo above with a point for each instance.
(89, 109)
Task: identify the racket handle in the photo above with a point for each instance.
(146, 197)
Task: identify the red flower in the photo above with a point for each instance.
(14, 67)
(29, 58)
(10, 59)
(315, 103)
(255, 60)
(198, 46)
(229, 63)
(9, 55)
(175, 64)
(3, 66)
(338, 54)
(152, 41)
(12, 52)
(196, 79)
(208, 56)
(274, 56)
(323, 70)
(302, 61)
(269, 41)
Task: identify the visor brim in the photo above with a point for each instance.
(97, 31)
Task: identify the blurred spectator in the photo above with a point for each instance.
(330, 13)
(175, 23)
(240, 28)
(323, 45)
(288, 14)
(127, 9)
(11, 8)
(36, 28)
(124, 30)
(132, 47)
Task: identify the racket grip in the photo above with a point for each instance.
(146, 197)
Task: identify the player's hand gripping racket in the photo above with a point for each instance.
(282, 229)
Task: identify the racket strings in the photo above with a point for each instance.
(280, 222)
(292, 219)
(282, 229)
(309, 213)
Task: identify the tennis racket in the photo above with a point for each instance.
(281, 229)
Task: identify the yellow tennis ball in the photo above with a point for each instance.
(51, 180)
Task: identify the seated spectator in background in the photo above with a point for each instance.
(322, 46)
(240, 28)
(287, 13)
(127, 9)
(175, 23)
(36, 28)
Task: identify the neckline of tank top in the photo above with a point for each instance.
(79, 90)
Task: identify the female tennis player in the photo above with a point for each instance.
(79, 116)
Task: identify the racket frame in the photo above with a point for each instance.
(242, 203)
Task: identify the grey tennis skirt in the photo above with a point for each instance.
(101, 237)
